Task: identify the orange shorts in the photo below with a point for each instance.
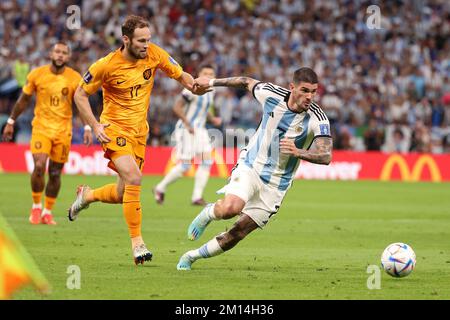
(124, 145)
(57, 148)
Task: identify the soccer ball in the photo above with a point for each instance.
(398, 260)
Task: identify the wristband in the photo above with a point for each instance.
(211, 82)
(87, 128)
(10, 121)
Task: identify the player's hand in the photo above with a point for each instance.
(201, 86)
(287, 146)
(8, 132)
(87, 137)
(216, 121)
(99, 131)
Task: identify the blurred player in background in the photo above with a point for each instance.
(192, 140)
(290, 125)
(54, 85)
(126, 77)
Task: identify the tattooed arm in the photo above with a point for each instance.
(321, 154)
(234, 82)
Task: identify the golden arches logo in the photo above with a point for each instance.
(410, 175)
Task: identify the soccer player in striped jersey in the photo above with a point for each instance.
(192, 140)
(293, 128)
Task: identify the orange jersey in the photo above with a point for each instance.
(54, 96)
(127, 87)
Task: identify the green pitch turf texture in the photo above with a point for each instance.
(318, 246)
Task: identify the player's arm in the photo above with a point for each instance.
(214, 120)
(81, 99)
(320, 154)
(188, 82)
(233, 82)
(178, 109)
(21, 104)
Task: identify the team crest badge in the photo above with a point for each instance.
(147, 74)
(299, 129)
(121, 142)
(65, 91)
(38, 145)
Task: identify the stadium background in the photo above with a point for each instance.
(384, 90)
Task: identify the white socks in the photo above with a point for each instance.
(37, 206)
(201, 179)
(45, 211)
(174, 174)
(209, 249)
(207, 214)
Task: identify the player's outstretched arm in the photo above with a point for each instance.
(19, 107)
(188, 82)
(320, 154)
(233, 82)
(82, 102)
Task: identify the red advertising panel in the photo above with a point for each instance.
(345, 165)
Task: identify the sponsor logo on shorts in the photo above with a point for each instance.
(147, 74)
(38, 145)
(121, 142)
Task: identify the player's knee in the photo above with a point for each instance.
(54, 174)
(185, 166)
(229, 209)
(133, 178)
(206, 163)
(39, 168)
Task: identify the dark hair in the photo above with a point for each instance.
(305, 75)
(131, 23)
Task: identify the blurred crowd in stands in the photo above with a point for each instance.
(385, 88)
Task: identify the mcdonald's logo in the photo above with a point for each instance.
(410, 175)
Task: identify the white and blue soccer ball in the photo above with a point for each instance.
(398, 260)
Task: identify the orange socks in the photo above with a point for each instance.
(37, 196)
(107, 194)
(49, 202)
(132, 209)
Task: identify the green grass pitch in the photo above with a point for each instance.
(318, 246)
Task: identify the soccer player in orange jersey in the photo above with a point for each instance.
(54, 85)
(126, 77)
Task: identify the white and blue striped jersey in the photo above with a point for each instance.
(263, 153)
(197, 108)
